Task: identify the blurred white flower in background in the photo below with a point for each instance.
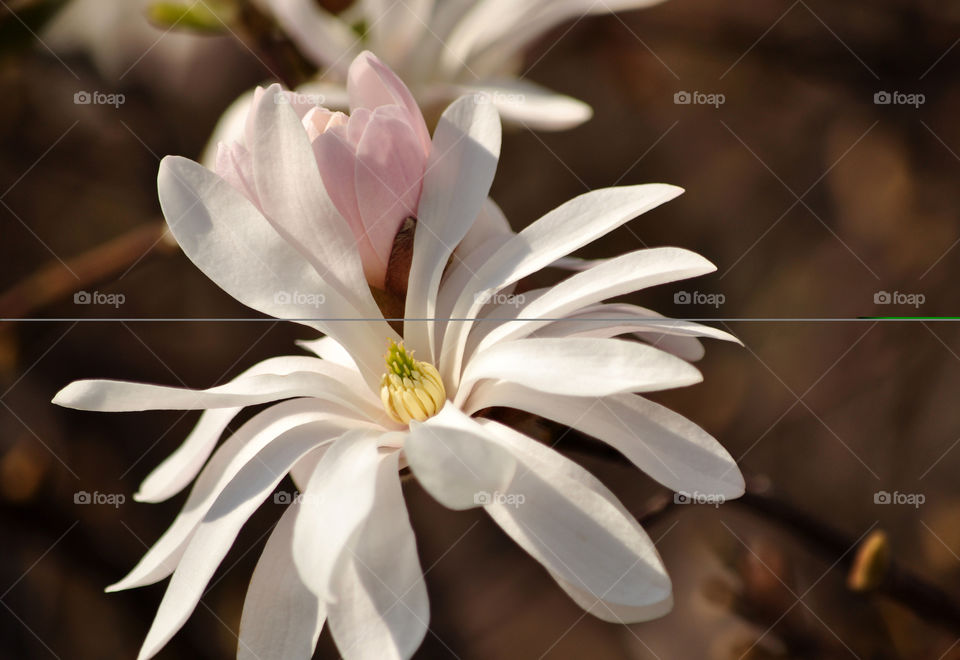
(269, 231)
(124, 46)
(444, 49)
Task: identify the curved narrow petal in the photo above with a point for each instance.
(295, 201)
(328, 348)
(381, 609)
(233, 244)
(563, 230)
(460, 170)
(338, 498)
(180, 468)
(578, 366)
(530, 105)
(452, 459)
(328, 382)
(225, 463)
(614, 277)
(577, 529)
(667, 446)
(281, 618)
(219, 528)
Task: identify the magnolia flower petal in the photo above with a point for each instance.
(530, 105)
(224, 465)
(381, 609)
(578, 366)
(667, 446)
(563, 230)
(370, 84)
(216, 533)
(453, 460)
(180, 468)
(460, 170)
(577, 529)
(233, 244)
(322, 36)
(338, 498)
(491, 222)
(295, 201)
(329, 349)
(497, 37)
(614, 277)
(229, 128)
(399, 26)
(388, 174)
(281, 617)
(340, 386)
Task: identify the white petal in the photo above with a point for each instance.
(328, 348)
(235, 246)
(563, 230)
(381, 609)
(341, 386)
(229, 128)
(530, 105)
(579, 366)
(338, 498)
(569, 522)
(281, 617)
(294, 200)
(453, 460)
(614, 277)
(180, 468)
(227, 461)
(460, 169)
(216, 533)
(667, 446)
(323, 37)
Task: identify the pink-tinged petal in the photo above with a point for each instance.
(281, 617)
(336, 160)
(318, 120)
(370, 83)
(295, 201)
(359, 119)
(388, 175)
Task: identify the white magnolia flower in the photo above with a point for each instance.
(441, 49)
(345, 422)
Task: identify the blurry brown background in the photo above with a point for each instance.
(824, 414)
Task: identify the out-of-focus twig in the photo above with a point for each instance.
(55, 282)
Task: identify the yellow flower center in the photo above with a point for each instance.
(410, 389)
